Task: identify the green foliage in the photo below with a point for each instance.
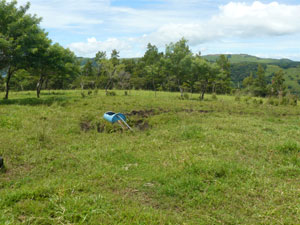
(260, 83)
(214, 96)
(111, 93)
(278, 87)
(289, 147)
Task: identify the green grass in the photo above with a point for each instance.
(200, 162)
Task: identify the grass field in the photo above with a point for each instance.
(187, 162)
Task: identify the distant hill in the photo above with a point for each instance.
(242, 65)
(238, 58)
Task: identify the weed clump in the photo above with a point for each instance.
(111, 93)
(86, 123)
(237, 98)
(214, 96)
(289, 147)
(185, 96)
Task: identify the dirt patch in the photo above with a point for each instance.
(197, 111)
(142, 113)
(137, 119)
(140, 124)
(152, 112)
(85, 126)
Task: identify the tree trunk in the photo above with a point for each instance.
(107, 85)
(7, 87)
(181, 92)
(154, 87)
(203, 91)
(202, 95)
(39, 86)
(46, 83)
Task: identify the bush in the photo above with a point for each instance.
(237, 98)
(247, 99)
(292, 100)
(289, 147)
(214, 96)
(283, 100)
(185, 96)
(111, 93)
(270, 101)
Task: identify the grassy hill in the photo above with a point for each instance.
(242, 65)
(187, 162)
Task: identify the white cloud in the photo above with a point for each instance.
(92, 46)
(163, 21)
(67, 13)
(258, 19)
(235, 20)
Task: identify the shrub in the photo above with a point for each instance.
(111, 93)
(270, 101)
(289, 147)
(292, 99)
(185, 96)
(214, 96)
(237, 98)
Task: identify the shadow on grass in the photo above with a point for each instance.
(62, 101)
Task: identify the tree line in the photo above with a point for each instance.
(29, 60)
(176, 69)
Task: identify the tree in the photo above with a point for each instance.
(277, 86)
(178, 60)
(55, 64)
(19, 35)
(248, 81)
(114, 57)
(99, 59)
(225, 79)
(260, 83)
(112, 68)
(152, 65)
(204, 73)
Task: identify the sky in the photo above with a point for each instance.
(262, 28)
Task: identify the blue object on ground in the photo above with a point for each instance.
(114, 117)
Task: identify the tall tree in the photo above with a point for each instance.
(260, 83)
(277, 85)
(205, 74)
(19, 35)
(152, 65)
(225, 78)
(178, 59)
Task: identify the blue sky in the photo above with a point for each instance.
(263, 28)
